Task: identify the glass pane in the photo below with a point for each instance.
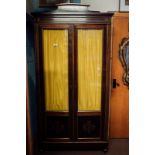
(55, 44)
(89, 69)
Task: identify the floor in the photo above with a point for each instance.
(116, 147)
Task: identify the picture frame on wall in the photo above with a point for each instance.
(124, 5)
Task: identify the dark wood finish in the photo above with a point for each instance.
(57, 113)
(89, 17)
(75, 86)
(91, 113)
(74, 21)
(107, 86)
(78, 145)
(57, 127)
(71, 81)
(29, 140)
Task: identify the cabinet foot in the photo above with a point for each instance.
(41, 151)
(105, 150)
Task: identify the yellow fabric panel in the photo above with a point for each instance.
(55, 44)
(89, 69)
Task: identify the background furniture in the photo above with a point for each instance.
(119, 106)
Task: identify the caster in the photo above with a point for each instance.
(41, 151)
(105, 150)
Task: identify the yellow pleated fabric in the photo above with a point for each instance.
(89, 69)
(55, 56)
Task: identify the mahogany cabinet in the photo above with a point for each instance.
(73, 55)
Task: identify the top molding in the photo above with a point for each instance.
(58, 16)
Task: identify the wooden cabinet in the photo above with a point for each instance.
(73, 79)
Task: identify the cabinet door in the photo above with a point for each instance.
(57, 81)
(90, 80)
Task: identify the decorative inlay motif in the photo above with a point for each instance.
(57, 127)
(89, 127)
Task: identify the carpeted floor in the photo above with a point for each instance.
(116, 147)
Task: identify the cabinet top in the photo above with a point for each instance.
(58, 16)
(60, 12)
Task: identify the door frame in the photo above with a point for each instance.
(105, 79)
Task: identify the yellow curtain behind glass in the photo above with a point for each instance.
(89, 69)
(55, 44)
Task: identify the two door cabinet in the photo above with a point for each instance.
(73, 55)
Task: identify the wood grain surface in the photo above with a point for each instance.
(119, 106)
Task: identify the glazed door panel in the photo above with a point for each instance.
(55, 45)
(89, 69)
(57, 116)
(90, 61)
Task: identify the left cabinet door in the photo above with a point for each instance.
(56, 89)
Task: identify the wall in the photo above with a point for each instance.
(102, 5)
(33, 5)
(96, 5)
(31, 73)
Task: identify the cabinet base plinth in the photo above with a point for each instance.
(58, 146)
